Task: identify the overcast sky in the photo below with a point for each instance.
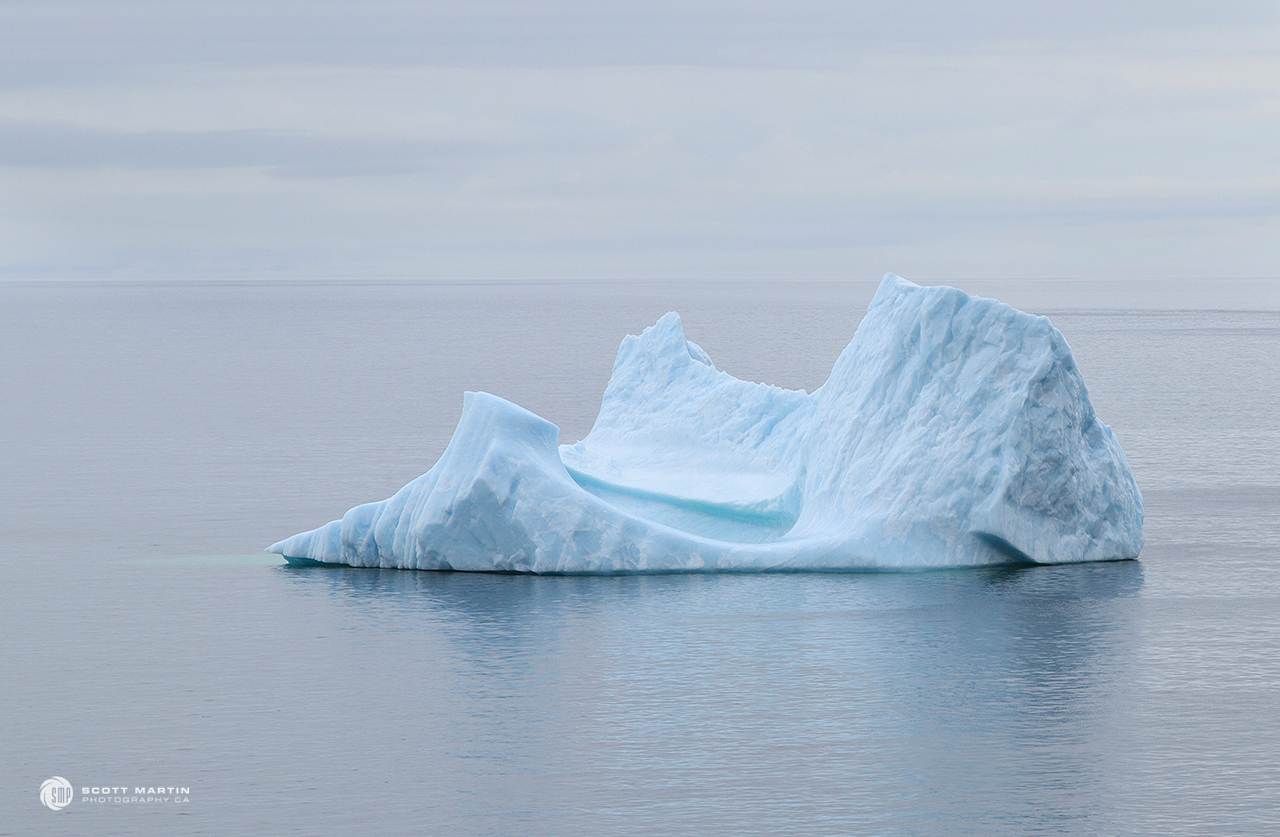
(577, 140)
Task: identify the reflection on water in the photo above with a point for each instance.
(906, 703)
(502, 596)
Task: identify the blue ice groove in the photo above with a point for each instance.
(953, 431)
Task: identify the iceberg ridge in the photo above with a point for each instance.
(953, 431)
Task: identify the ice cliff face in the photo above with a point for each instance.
(954, 431)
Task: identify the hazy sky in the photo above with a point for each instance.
(639, 139)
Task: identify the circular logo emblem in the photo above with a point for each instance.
(56, 793)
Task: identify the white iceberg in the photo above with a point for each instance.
(954, 431)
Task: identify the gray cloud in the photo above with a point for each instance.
(283, 153)
(77, 38)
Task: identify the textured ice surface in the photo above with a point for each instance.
(953, 431)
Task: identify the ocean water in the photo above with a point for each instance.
(154, 437)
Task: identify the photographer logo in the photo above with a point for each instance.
(56, 793)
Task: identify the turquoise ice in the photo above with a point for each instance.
(953, 431)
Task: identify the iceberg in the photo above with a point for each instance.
(953, 431)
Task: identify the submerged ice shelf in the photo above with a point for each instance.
(953, 431)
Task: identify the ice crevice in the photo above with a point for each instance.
(953, 431)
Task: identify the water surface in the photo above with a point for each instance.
(156, 436)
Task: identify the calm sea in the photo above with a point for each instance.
(154, 437)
